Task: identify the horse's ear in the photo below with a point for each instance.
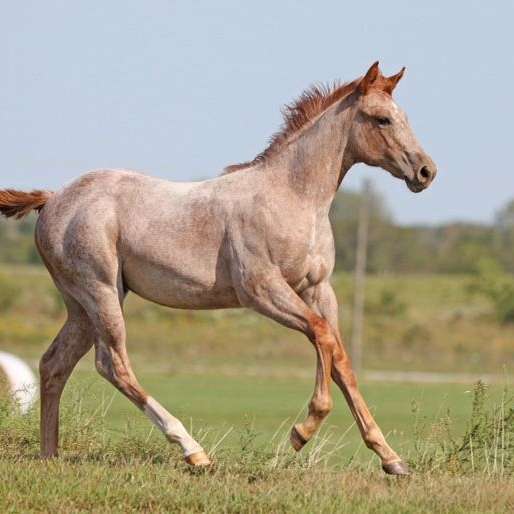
(392, 81)
(368, 79)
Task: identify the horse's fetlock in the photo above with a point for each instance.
(322, 406)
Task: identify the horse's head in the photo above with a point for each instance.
(381, 134)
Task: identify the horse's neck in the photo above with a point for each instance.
(314, 163)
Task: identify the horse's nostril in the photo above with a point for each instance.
(424, 174)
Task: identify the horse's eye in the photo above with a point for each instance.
(382, 120)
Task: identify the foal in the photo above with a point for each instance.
(259, 237)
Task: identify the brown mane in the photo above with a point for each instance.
(297, 114)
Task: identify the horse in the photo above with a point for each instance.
(257, 236)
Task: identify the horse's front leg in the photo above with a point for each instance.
(270, 295)
(324, 298)
(321, 402)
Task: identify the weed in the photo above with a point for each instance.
(486, 446)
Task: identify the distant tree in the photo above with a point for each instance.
(449, 248)
(504, 223)
(505, 216)
(461, 245)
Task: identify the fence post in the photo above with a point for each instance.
(360, 278)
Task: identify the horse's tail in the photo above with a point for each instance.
(18, 203)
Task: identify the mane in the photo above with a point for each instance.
(312, 102)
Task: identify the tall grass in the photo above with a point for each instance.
(137, 472)
(485, 447)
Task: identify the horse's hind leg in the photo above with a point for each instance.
(112, 362)
(73, 341)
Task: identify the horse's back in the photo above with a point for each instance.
(99, 195)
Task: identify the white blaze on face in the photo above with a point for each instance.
(396, 110)
(171, 427)
(397, 114)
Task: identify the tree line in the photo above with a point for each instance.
(444, 248)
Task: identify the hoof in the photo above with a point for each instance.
(198, 459)
(298, 441)
(396, 468)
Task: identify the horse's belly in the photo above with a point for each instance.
(176, 287)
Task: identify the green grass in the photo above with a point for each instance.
(219, 403)
(110, 463)
(238, 381)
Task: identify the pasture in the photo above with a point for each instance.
(112, 461)
(238, 381)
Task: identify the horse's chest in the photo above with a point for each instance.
(304, 262)
(300, 245)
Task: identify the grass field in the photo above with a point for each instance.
(138, 484)
(112, 461)
(239, 381)
(216, 404)
(413, 322)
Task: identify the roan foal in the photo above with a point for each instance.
(258, 236)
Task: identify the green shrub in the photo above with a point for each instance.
(497, 286)
(387, 304)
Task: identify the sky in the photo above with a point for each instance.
(180, 89)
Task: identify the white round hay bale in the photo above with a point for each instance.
(22, 381)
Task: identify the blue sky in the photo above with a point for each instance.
(181, 89)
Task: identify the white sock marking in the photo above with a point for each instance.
(172, 428)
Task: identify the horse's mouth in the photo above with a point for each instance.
(415, 186)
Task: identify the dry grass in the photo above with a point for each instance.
(66, 487)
